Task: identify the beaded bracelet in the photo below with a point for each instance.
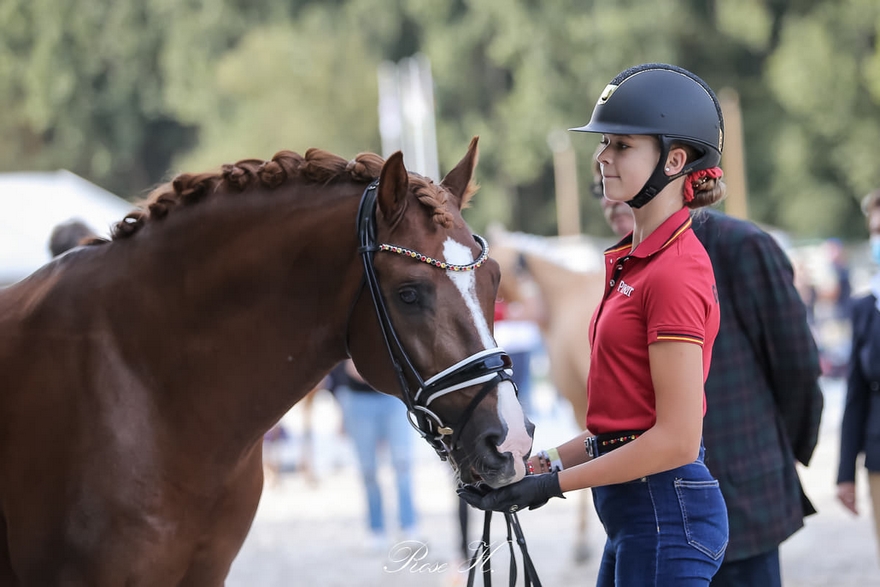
(550, 460)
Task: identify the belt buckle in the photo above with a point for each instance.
(592, 446)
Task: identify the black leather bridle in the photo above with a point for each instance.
(488, 367)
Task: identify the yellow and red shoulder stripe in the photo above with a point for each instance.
(678, 337)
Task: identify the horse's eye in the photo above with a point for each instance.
(408, 295)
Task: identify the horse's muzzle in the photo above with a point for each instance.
(500, 460)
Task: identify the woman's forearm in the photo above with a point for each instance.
(654, 451)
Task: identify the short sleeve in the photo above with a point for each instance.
(678, 304)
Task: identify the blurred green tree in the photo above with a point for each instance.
(125, 93)
(103, 88)
(291, 88)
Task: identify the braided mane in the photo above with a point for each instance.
(317, 166)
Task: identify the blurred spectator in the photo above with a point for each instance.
(374, 420)
(842, 285)
(803, 282)
(860, 427)
(68, 235)
(764, 402)
(833, 309)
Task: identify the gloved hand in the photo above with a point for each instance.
(532, 492)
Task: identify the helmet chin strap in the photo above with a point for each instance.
(658, 179)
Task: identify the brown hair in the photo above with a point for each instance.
(708, 190)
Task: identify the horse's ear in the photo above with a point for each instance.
(458, 181)
(393, 187)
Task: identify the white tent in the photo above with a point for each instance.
(33, 203)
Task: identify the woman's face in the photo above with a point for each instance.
(627, 162)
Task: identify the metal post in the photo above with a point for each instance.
(406, 113)
(733, 158)
(568, 209)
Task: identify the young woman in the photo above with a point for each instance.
(652, 336)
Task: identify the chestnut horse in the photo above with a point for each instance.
(138, 375)
(566, 297)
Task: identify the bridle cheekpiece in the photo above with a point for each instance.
(488, 367)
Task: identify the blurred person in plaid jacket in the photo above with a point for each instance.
(763, 398)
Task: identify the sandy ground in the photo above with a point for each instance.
(310, 531)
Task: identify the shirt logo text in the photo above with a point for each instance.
(625, 289)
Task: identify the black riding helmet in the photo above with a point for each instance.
(668, 102)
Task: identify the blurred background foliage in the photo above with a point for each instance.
(129, 92)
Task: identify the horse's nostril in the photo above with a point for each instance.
(492, 442)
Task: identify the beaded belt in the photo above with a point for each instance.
(605, 443)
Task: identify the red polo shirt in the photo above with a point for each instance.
(664, 291)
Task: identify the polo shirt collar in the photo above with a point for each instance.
(665, 234)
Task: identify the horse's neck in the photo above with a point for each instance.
(252, 308)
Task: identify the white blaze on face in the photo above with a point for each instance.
(466, 282)
(517, 442)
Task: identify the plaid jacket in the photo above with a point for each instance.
(763, 398)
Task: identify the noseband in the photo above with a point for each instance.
(488, 367)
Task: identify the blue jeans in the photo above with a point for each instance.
(762, 569)
(371, 418)
(666, 529)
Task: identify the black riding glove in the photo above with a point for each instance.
(532, 492)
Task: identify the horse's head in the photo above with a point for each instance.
(434, 290)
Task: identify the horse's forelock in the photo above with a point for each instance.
(435, 198)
